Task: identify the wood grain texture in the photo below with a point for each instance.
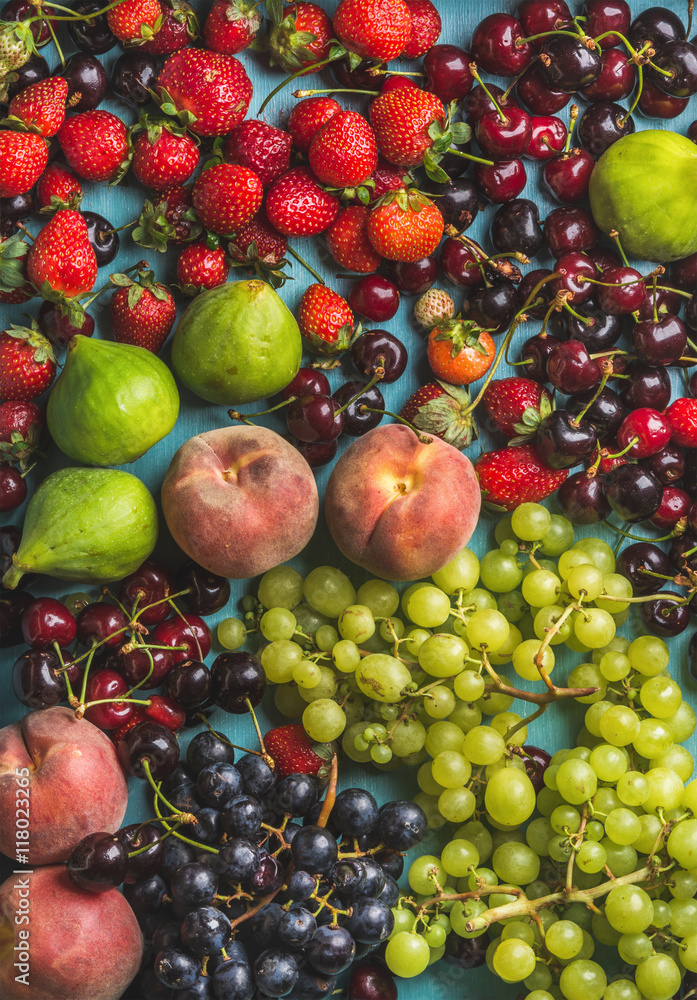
(121, 205)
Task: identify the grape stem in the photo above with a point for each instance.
(537, 698)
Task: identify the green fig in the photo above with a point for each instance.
(112, 402)
(237, 343)
(644, 187)
(86, 525)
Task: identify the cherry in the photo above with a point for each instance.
(573, 268)
(87, 81)
(314, 418)
(492, 307)
(13, 488)
(646, 385)
(570, 368)
(638, 561)
(504, 134)
(166, 711)
(34, 70)
(644, 432)
(10, 537)
(543, 298)
(535, 352)
(152, 742)
(570, 229)
(616, 80)
(459, 263)
(35, 680)
(540, 16)
(660, 342)
(496, 46)
(501, 181)
(609, 460)
(358, 78)
(603, 258)
(370, 980)
(602, 124)
(675, 504)
(479, 102)
(58, 327)
(570, 65)
(683, 544)
(355, 421)
(692, 132)
(633, 493)
(189, 683)
(683, 273)
(316, 453)
(691, 313)
(606, 411)
(13, 604)
(46, 621)
(151, 582)
(308, 382)
(582, 499)
(16, 209)
(607, 15)
(568, 175)
(208, 592)
(656, 25)
(534, 90)
(133, 76)
(679, 58)
(667, 616)
(238, 679)
(655, 103)
(134, 838)
(666, 301)
(667, 465)
(92, 34)
(447, 72)
(548, 137)
(107, 684)
(378, 349)
(102, 623)
(188, 631)
(136, 666)
(626, 292)
(516, 227)
(22, 10)
(457, 201)
(564, 440)
(374, 297)
(414, 277)
(98, 862)
(604, 332)
(103, 239)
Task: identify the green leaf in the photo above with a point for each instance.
(460, 133)
(354, 60)
(135, 293)
(435, 130)
(435, 172)
(120, 280)
(274, 8)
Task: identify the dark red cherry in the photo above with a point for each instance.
(35, 679)
(604, 410)
(616, 80)
(133, 76)
(502, 181)
(103, 238)
(46, 621)
(22, 10)
(570, 230)
(134, 838)
(625, 293)
(139, 664)
(535, 353)
(504, 135)
(87, 81)
(359, 421)
(497, 48)
(603, 258)
(358, 78)
(378, 349)
(692, 132)
(207, 592)
(534, 90)
(107, 684)
(478, 102)
(371, 980)
(189, 683)
(601, 125)
(664, 298)
(92, 34)
(607, 15)
(644, 432)
(314, 418)
(660, 342)
(152, 742)
(13, 604)
(374, 297)
(492, 307)
(655, 103)
(13, 210)
(633, 493)
(317, 453)
(414, 277)
(683, 273)
(102, 623)
(457, 201)
(447, 72)
(238, 678)
(645, 385)
(548, 137)
(604, 332)
(667, 465)
(582, 499)
(639, 562)
(516, 228)
(570, 368)
(34, 70)
(13, 488)
(570, 65)
(573, 269)
(679, 60)
(308, 382)
(99, 862)
(58, 327)
(540, 16)
(459, 263)
(656, 25)
(667, 616)
(568, 175)
(564, 440)
(675, 504)
(151, 584)
(188, 636)
(538, 306)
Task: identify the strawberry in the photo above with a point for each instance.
(61, 261)
(163, 154)
(347, 239)
(210, 90)
(373, 29)
(16, 46)
(300, 36)
(142, 311)
(293, 752)
(57, 188)
(459, 351)
(682, 416)
(199, 267)
(405, 226)
(27, 363)
(308, 117)
(231, 26)
(261, 249)
(516, 406)
(14, 287)
(344, 152)
(23, 156)
(433, 307)
(387, 177)
(511, 476)
(178, 27)
(297, 206)
(402, 120)
(260, 147)
(41, 105)
(325, 320)
(425, 28)
(226, 196)
(116, 735)
(171, 217)
(95, 144)
(22, 428)
(442, 410)
(133, 20)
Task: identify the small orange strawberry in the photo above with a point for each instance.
(325, 320)
(459, 351)
(405, 226)
(442, 410)
(511, 476)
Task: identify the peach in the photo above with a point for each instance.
(240, 500)
(75, 785)
(401, 508)
(58, 942)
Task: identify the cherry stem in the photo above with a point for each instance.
(663, 72)
(63, 671)
(520, 42)
(294, 76)
(690, 12)
(376, 71)
(224, 739)
(170, 829)
(246, 418)
(638, 538)
(676, 291)
(301, 260)
(88, 664)
(573, 118)
(153, 843)
(268, 759)
(586, 320)
(475, 73)
(579, 416)
(301, 94)
(388, 413)
(613, 234)
(330, 796)
(470, 156)
(379, 374)
(624, 451)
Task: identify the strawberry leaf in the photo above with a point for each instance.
(431, 167)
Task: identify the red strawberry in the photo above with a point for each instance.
(405, 226)
(22, 427)
(387, 177)
(297, 206)
(57, 188)
(344, 152)
(373, 29)
(133, 20)
(116, 735)
(41, 105)
(27, 363)
(682, 416)
(213, 88)
(441, 409)
(261, 249)
(231, 25)
(23, 156)
(61, 260)
(402, 120)
(511, 476)
(14, 287)
(300, 37)
(260, 147)
(163, 154)
(425, 28)
(308, 117)
(516, 406)
(178, 27)
(142, 311)
(95, 144)
(171, 217)
(293, 752)
(347, 239)
(325, 320)
(226, 196)
(199, 267)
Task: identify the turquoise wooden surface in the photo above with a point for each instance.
(122, 204)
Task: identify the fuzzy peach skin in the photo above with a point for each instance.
(73, 945)
(240, 500)
(76, 784)
(399, 508)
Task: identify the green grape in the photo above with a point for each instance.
(648, 655)
(682, 885)
(390, 628)
(538, 834)
(510, 547)
(619, 725)
(434, 936)
(378, 595)
(517, 929)
(547, 800)
(540, 587)
(461, 573)
(382, 677)
(524, 659)
(509, 797)
(287, 700)
(487, 630)
(512, 606)
(531, 521)
(503, 531)
(231, 633)
(351, 733)
(683, 917)
(281, 587)
(583, 980)
(594, 830)
(633, 788)
(603, 931)
(450, 769)
(456, 804)
(514, 959)
(328, 590)
(345, 656)
(604, 800)
(427, 606)
(353, 708)
(683, 723)
(309, 621)
(323, 720)
(381, 754)
(277, 623)
(515, 864)
(546, 618)
(564, 939)
(481, 877)
(654, 738)
(443, 736)
(665, 790)
(483, 745)
(458, 857)
(403, 919)
(622, 826)
(576, 781)
(689, 797)
(585, 582)
(565, 819)
(280, 658)
(591, 857)
(658, 978)
(600, 552)
(439, 702)
(594, 627)
(661, 696)
(326, 638)
(325, 688)
(682, 843)
(628, 909)
(558, 538)
(429, 804)
(500, 572)
(426, 781)
(609, 762)
(414, 639)
(618, 645)
(622, 989)
(570, 559)
(477, 834)
(540, 995)
(678, 759)
(407, 954)
(560, 848)
(614, 585)
(356, 623)
(614, 666)
(442, 655)
(465, 716)
(306, 674)
(505, 721)
(469, 685)
(464, 911)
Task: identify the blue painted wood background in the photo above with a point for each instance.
(122, 204)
